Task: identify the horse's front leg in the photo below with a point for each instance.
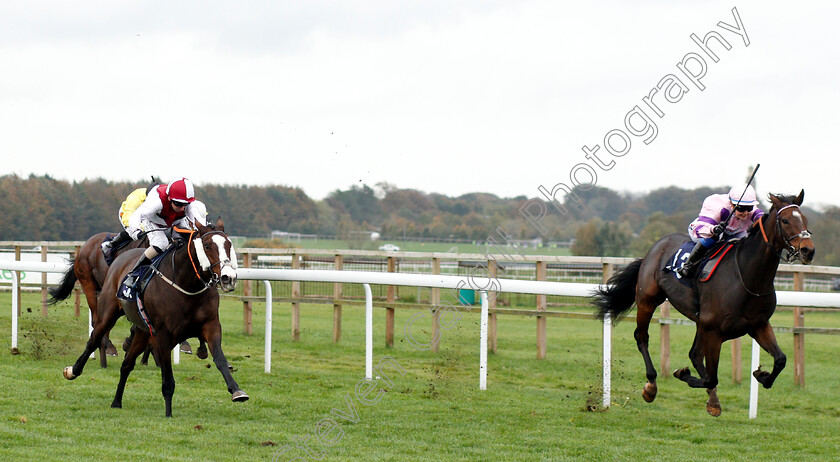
(212, 332)
(767, 340)
(163, 345)
(100, 328)
(136, 347)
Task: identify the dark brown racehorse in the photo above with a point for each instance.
(90, 269)
(181, 301)
(739, 299)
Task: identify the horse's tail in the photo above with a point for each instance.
(64, 289)
(617, 296)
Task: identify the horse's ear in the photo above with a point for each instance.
(201, 228)
(777, 203)
(220, 224)
(799, 198)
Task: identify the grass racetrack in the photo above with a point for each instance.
(532, 410)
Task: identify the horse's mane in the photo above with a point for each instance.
(786, 198)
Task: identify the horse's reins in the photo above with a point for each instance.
(793, 252)
(214, 278)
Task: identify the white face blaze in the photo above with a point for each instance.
(228, 261)
(202, 256)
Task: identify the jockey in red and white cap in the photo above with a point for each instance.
(165, 206)
(709, 225)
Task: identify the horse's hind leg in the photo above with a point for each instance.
(137, 346)
(767, 339)
(212, 333)
(645, 307)
(202, 349)
(711, 348)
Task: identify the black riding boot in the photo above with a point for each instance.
(697, 254)
(133, 279)
(108, 247)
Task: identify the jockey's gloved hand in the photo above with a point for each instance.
(719, 229)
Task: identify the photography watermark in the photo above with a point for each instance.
(480, 278)
(639, 122)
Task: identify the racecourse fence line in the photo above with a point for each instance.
(541, 288)
(591, 270)
(438, 281)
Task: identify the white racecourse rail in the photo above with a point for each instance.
(483, 285)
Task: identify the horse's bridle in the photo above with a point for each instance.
(215, 278)
(793, 252)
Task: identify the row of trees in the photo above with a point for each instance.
(599, 221)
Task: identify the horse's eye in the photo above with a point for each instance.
(785, 221)
(206, 247)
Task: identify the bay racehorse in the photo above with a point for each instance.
(181, 301)
(89, 268)
(738, 300)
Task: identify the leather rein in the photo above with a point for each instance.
(793, 252)
(214, 278)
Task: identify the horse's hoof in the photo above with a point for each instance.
(201, 353)
(680, 373)
(111, 351)
(186, 348)
(649, 392)
(68, 373)
(239, 396)
(762, 378)
(713, 409)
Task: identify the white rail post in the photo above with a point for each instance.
(176, 354)
(753, 382)
(482, 370)
(15, 292)
(368, 332)
(267, 326)
(607, 360)
(90, 332)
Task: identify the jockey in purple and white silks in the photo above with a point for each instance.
(709, 225)
(165, 206)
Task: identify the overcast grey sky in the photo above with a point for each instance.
(441, 96)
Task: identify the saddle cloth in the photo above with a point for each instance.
(705, 268)
(135, 294)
